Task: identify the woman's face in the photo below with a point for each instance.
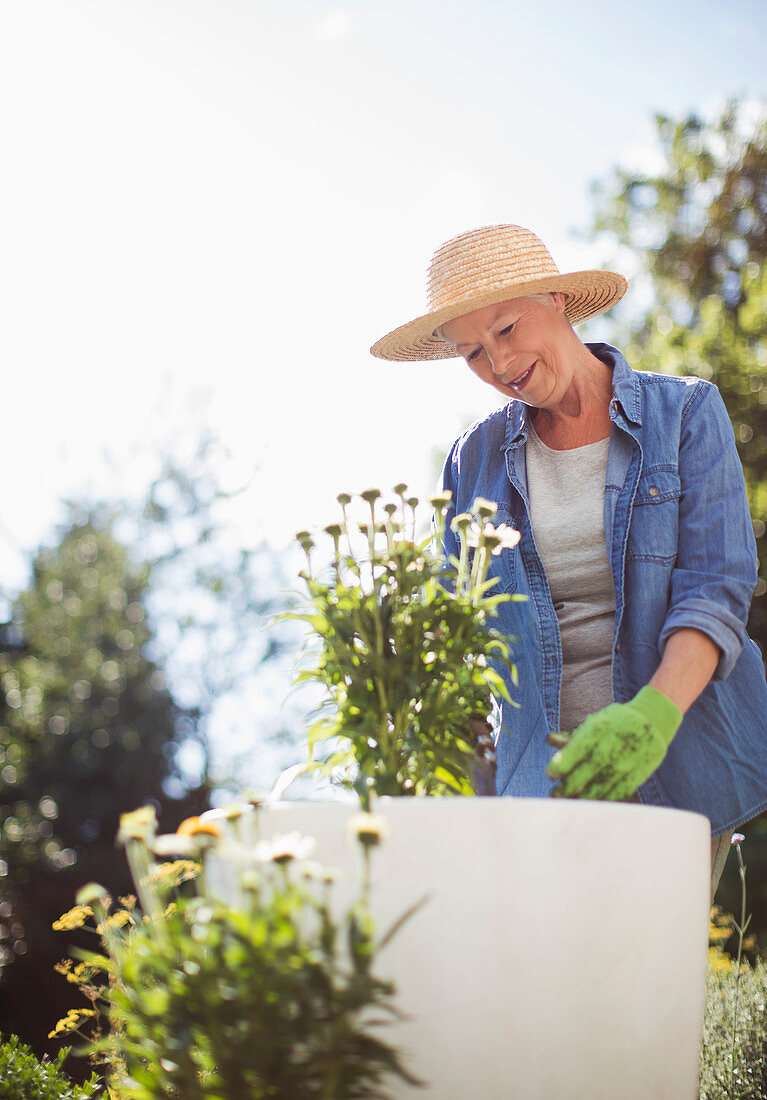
(519, 347)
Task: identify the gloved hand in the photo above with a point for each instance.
(614, 751)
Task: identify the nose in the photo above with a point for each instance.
(499, 360)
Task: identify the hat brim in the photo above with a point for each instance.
(587, 294)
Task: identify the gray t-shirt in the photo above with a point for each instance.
(567, 491)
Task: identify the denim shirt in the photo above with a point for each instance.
(683, 554)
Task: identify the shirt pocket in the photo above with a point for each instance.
(654, 529)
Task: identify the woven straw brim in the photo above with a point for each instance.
(587, 294)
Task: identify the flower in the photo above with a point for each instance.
(368, 828)
(509, 537)
(72, 1021)
(473, 535)
(74, 918)
(139, 824)
(173, 874)
(484, 508)
(737, 838)
(461, 522)
(92, 892)
(283, 849)
(119, 919)
(173, 844)
(196, 826)
(304, 539)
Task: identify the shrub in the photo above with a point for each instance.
(24, 1077)
(736, 995)
(716, 1063)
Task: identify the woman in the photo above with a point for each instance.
(637, 554)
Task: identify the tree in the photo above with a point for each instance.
(210, 599)
(140, 616)
(697, 234)
(701, 223)
(88, 731)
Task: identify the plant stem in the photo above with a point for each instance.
(741, 929)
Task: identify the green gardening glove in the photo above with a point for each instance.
(614, 751)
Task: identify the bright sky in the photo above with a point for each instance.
(233, 198)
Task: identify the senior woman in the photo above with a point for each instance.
(637, 553)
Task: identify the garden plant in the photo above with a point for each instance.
(408, 655)
(25, 1077)
(274, 997)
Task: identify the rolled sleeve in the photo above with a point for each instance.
(715, 573)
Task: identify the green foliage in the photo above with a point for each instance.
(82, 700)
(701, 222)
(407, 650)
(87, 726)
(25, 1077)
(727, 990)
(274, 997)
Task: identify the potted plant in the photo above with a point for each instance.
(562, 949)
(556, 948)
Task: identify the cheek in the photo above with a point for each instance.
(481, 368)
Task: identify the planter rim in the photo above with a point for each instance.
(551, 807)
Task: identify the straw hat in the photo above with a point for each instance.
(489, 265)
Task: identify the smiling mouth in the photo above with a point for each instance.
(521, 381)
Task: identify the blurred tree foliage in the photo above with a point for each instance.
(87, 731)
(209, 597)
(139, 616)
(696, 232)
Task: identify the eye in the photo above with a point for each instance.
(507, 330)
(470, 358)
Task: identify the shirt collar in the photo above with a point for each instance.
(626, 396)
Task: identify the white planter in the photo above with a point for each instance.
(561, 954)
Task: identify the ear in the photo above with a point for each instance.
(559, 300)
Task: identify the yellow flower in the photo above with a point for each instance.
(173, 874)
(718, 961)
(195, 826)
(82, 973)
(72, 1021)
(119, 919)
(75, 918)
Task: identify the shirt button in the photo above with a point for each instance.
(653, 491)
(617, 647)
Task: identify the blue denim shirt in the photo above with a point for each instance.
(683, 554)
